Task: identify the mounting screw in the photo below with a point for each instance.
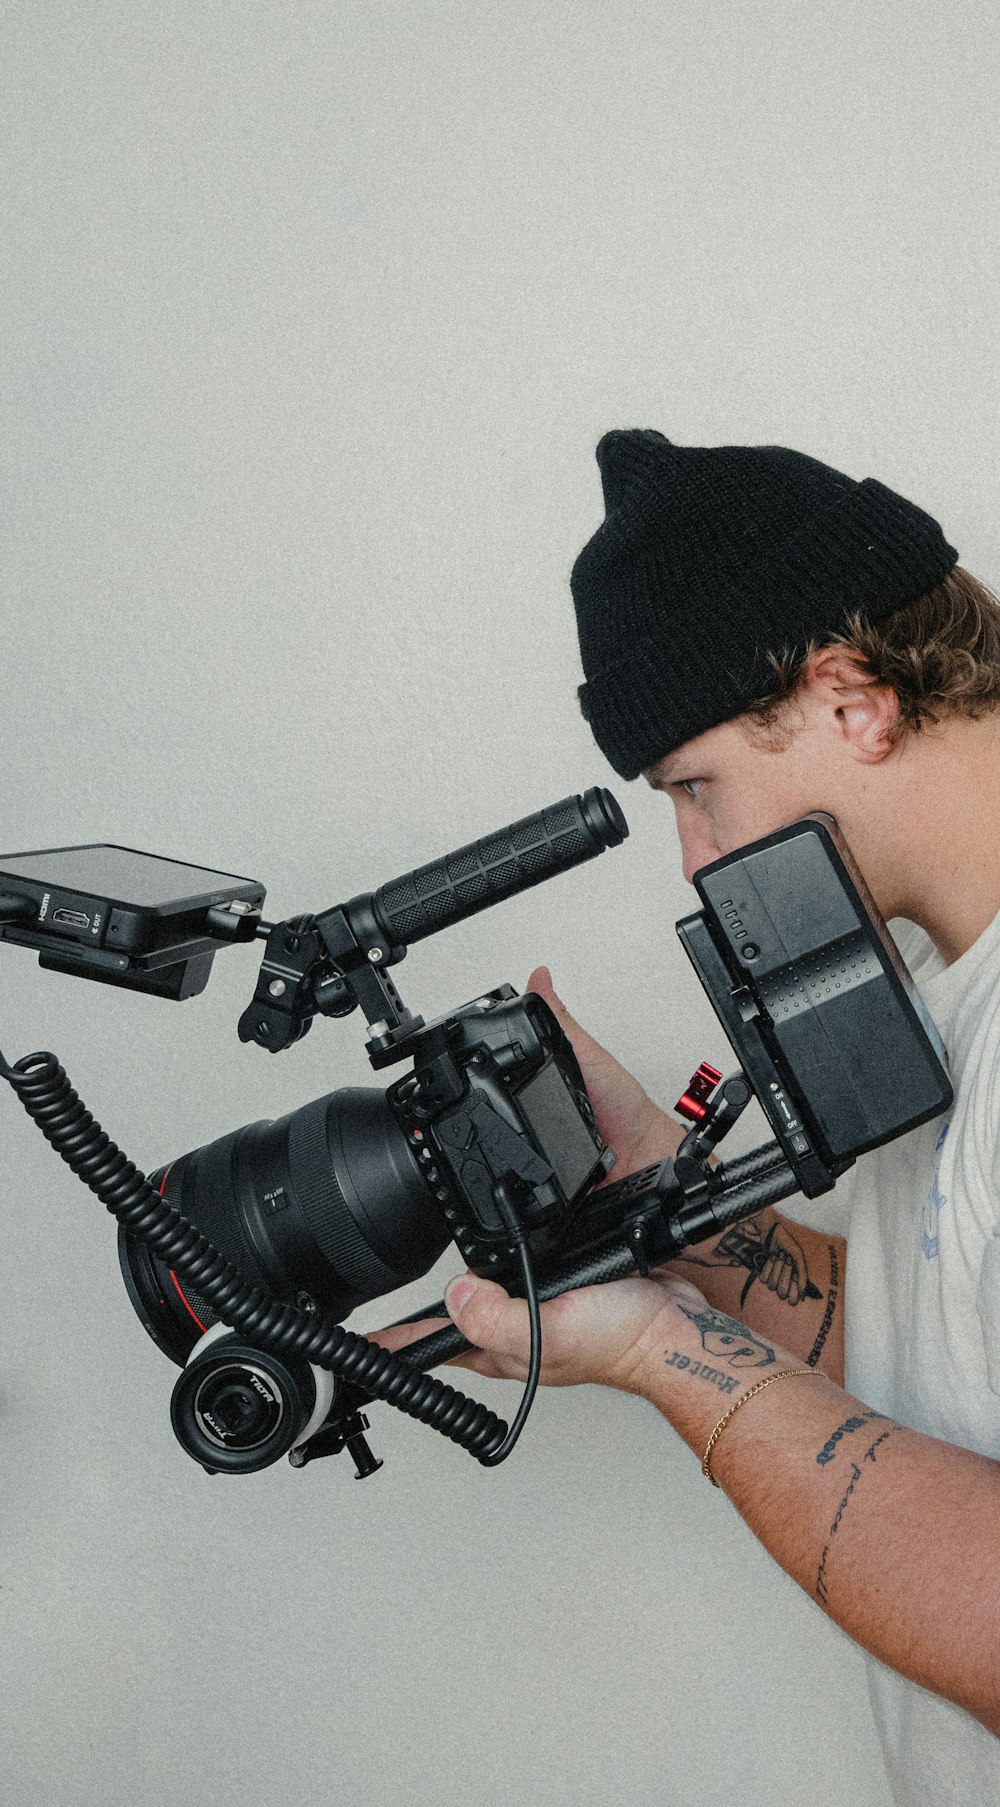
(374, 955)
(277, 988)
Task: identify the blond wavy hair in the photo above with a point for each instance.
(940, 654)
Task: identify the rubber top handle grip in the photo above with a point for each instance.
(499, 865)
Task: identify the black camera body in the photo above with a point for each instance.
(497, 1095)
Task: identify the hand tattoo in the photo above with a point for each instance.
(726, 1383)
(727, 1339)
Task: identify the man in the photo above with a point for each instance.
(761, 637)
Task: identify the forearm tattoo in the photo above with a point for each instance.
(726, 1383)
(857, 1423)
(727, 1339)
(831, 1305)
(775, 1256)
(856, 1472)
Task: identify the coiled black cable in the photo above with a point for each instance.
(48, 1097)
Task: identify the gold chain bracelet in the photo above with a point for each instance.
(783, 1374)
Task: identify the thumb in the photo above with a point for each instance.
(540, 981)
(584, 1043)
(487, 1316)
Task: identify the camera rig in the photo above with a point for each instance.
(243, 1258)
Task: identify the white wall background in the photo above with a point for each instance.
(312, 316)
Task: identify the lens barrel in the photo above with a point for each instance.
(326, 1207)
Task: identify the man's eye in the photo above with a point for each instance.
(691, 785)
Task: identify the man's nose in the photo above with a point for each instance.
(698, 847)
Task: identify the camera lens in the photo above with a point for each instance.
(328, 1201)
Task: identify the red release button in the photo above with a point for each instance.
(700, 1087)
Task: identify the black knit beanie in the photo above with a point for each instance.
(710, 558)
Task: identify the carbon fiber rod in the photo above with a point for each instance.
(749, 1185)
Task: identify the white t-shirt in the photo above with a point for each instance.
(922, 1319)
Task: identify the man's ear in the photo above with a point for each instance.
(862, 710)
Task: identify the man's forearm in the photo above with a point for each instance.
(787, 1283)
(841, 1497)
(783, 1280)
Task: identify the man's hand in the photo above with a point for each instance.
(596, 1333)
(800, 1300)
(599, 1335)
(636, 1128)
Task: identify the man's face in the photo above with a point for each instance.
(727, 791)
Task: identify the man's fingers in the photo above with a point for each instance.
(496, 1367)
(397, 1336)
(477, 1361)
(541, 981)
(487, 1317)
